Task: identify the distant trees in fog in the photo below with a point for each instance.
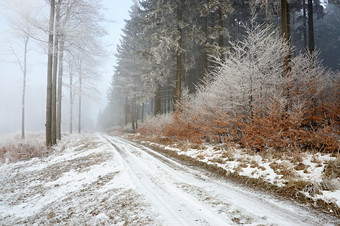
(74, 31)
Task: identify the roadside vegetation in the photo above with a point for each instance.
(13, 148)
(308, 177)
(248, 101)
(254, 124)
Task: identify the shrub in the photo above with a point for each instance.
(155, 125)
(247, 100)
(13, 148)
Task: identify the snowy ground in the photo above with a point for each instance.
(102, 179)
(311, 173)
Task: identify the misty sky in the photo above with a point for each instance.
(11, 76)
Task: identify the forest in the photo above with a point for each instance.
(263, 74)
(70, 34)
(218, 112)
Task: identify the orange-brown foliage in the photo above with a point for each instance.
(314, 124)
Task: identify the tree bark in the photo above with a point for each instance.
(49, 78)
(60, 86)
(285, 24)
(71, 102)
(24, 90)
(143, 113)
(157, 110)
(54, 75)
(205, 53)
(220, 23)
(311, 48)
(179, 55)
(311, 45)
(79, 106)
(126, 111)
(133, 115)
(304, 24)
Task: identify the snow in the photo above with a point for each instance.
(101, 179)
(232, 161)
(332, 196)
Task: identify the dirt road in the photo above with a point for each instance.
(96, 179)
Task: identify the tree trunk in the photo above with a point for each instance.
(49, 78)
(286, 36)
(60, 86)
(169, 102)
(205, 53)
(311, 48)
(54, 75)
(157, 110)
(304, 24)
(79, 106)
(311, 45)
(137, 114)
(126, 111)
(133, 115)
(250, 103)
(220, 23)
(152, 105)
(285, 33)
(24, 90)
(143, 113)
(179, 55)
(71, 102)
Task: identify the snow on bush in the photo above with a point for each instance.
(248, 100)
(13, 148)
(155, 125)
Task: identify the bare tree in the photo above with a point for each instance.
(49, 138)
(19, 19)
(23, 67)
(77, 18)
(55, 71)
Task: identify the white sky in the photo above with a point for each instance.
(11, 77)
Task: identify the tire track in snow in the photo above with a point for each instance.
(173, 205)
(176, 190)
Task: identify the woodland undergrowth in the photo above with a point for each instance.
(247, 100)
(14, 149)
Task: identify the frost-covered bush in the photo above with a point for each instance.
(155, 125)
(13, 148)
(242, 83)
(248, 99)
(248, 77)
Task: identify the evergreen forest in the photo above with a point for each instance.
(264, 74)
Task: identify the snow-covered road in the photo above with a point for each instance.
(101, 179)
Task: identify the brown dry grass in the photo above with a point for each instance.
(332, 170)
(14, 149)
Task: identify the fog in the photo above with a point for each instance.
(11, 78)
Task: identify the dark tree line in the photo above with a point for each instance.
(168, 47)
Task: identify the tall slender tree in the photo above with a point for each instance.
(55, 71)
(49, 136)
(22, 30)
(311, 45)
(285, 25)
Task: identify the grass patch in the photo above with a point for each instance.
(14, 149)
(332, 170)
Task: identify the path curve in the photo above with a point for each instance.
(186, 196)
